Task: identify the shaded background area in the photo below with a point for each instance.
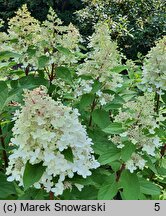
(135, 24)
(39, 8)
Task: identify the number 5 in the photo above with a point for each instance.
(157, 207)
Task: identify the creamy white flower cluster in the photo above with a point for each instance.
(135, 162)
(100, 61)
(43, 130)
(83, 87)
(62, 88)
(154, 68)
(138, 118)
(35, 40)
(103, 56)
(104, 98)
(54, 35)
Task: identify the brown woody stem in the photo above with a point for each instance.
(51, 195)
(4, 155)
(119, 172)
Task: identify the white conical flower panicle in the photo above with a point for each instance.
(103, 57)
(154, 68)
(44, 129)
(138, 118)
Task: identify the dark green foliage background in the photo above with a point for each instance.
(152, 13)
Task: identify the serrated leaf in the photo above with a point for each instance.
(63, 50)
(96, 86)
(101, 142)
(32, 174)
(31, 51)
(163, 96)
(28, 82)
(111, 155)
(3, 94)
(127, 151)
(42, 61)
(119, 69)
(7, 55)
(112, 106)
(108, 189)
(64, 74)
(130, 184)
(86, 100)
(148, 187)
(150, 164)
(6, 188)
(101, 118)
(114, 128)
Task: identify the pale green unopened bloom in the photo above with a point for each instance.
(154, 68)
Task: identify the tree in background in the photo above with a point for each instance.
(135, 24)
(39, 8)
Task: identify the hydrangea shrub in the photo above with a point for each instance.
(76, 123)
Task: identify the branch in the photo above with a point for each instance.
(51, 195)
(92, 108)
(119, 172)
(4, 155)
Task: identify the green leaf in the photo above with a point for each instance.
(111, 155)
(112, 106)
(6, 188)
(142, 197)
(96, 86)
(100, 140)
(127, 151)
(87, 193)
(3, 94)
(31, 51)
(32, 174)
(108, 189)
(31, 82)
(115, 165)
(161, 171)
(164, 97)
(40, 195)
(150, 164)
(4, 55)
(101, 118)
(42, 61)
(118, 99)
(64, 74)
(63, 50)
(148, 187)
(68, 154)
(163, 162)
(130, 184)
(32, 194)
(86, 100)
(119, 69)
(28, 82)
(114, 128)
(5, 65)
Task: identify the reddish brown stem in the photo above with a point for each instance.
(92, 108)
(4, 155)
(27, 70)
(157, 103)
(163, 150)
(52, 76)
(51, 195)
(119, 172)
